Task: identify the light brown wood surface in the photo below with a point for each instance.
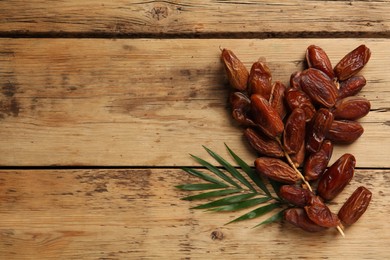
(101, 103)
(136, 214)
(201, 17)
(146, 102)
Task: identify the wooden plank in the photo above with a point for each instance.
(147, 102)
(251, 17)
(137, 214)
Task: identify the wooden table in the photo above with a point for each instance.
(102, 101)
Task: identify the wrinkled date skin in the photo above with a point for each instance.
(351, 108)
(276, 169)
(236, 71)
(260, 79)
(351, 86)
(295, 80)
(295, 195)
(263, 144)
(336, 177)
(316, 163)
(241, 106)
(266, 117)
(277, 98)
(344, 131)
(352, 63)
(355, 206)
(299, 218)
(294, 131)
(318, 128)
(299, 157)
(320, 214)
(296, 98)
(319, 87)
(317, 58)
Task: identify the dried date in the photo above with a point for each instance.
(299, 218)
(294, 131)
(352, 63)
(336, 177)
(320, 214)
(316, 163)
(344, 131)
(295, 195)
(260, 80)
(277, 98)
(263, 144)
(355, 206)
(276, 170)
(296, 98)
(318, 128)
(351, 86)
(319, 87)
(351, 108)
(266, 117)
(241, 106)
(236, 71)
(317, 58)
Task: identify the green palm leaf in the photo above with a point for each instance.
(216, 171)
(226, 201)
(241, 205)
(211, 194)
(233, 171)
(202, 175)
(249, 171)
(276, 217)
(256, 212)
(201, 186)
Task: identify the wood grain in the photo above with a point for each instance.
(137, 214)
(148, 102)
(203, 17)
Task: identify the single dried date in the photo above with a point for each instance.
(355, 206)
(351, 86)
(276, 170)
(277, 98)
(319, 87)
(260, 80)
(266, 117)
(344, 131)
(295, 195)
(352, 63)
(351, 108)
(263, 144)
(320, 214)
(317, 58)
(236, 71)
(336, 177)
(294, 131)
(296, 98)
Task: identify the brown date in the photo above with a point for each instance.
(295, 195)
(236, 71)
(294, 131)
(299, 157)
(263, 144)
(319, 87)
(355, 206)
(241, 106)
(296, 98)
(352, 63)
(295, 80)
(316, 163)
(344, 131)
(351, 108)
(277, 98)
(318, 59)
(351, 86)
(336, 177)
(299, 218)
(320, 214)
(317, 129)
(260, 79)
(266, 117)
(276, 169)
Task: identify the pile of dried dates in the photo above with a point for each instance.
(295, 127)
